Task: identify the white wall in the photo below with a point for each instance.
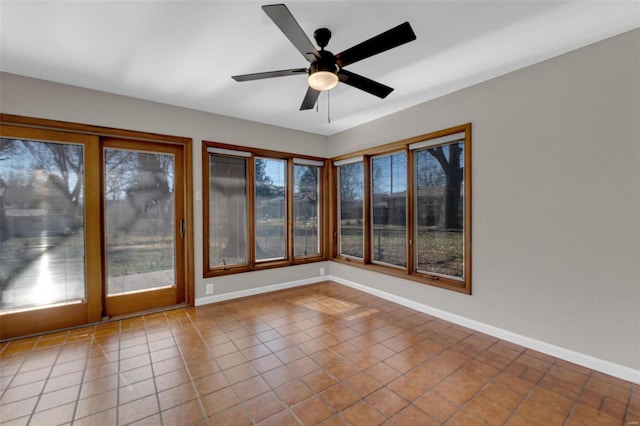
(556, 199)
(37, 98)
(556, 190)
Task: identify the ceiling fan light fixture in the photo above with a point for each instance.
(323, 80)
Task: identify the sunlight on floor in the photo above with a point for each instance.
(334, 307)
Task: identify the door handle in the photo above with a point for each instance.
(182, 228)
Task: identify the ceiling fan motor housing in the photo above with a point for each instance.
(326, 62)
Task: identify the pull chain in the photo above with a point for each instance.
(328, 106)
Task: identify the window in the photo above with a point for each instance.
(419, 209)
(439, 207)
(262, 209)
(271, 211)
(389, 188)
(227, 209)
(350, 207)
(306, 207)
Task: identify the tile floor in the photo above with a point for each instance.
(320, 354)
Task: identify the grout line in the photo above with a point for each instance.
(118, 374)
(33, 412)
(577, 399)
(281, 314)
(84, 372)
(186, 366)
(15, 374)
(625, 416)
(533, 389)
(271, 389)
(153, 375)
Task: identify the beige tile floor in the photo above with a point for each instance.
(320, 354)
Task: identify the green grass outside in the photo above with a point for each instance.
(439, 252)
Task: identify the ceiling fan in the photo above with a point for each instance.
(325, 68)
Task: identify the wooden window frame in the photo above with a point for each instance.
(90, 311)
(409, 272)
(290, 259)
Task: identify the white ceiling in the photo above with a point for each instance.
(183, 53)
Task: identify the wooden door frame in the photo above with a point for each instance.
(128, 303)
(54, 318)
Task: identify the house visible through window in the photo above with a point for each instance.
(403, 209)
(439, 206)
(418, 206)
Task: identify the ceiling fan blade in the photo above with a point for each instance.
(310, 99)
(281, 16)
(363, 83)
(394, 37)
(269, 74)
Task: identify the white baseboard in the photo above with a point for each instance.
(615, 370)
(258, 290)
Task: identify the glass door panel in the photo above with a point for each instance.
(139, 216)
(41, 224)
(44, 235)
(142, 235)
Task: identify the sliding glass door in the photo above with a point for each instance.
(89, 228)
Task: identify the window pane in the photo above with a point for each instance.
(351, 233)
(306, 209)
(271, 241)
(389, 182)
(139, 218)
(440, 210)
(42, 247)
(227, 210)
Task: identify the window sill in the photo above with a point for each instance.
(441, 282)
(217, 272)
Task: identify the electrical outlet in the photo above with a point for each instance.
(209, 289)
(321, 271)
